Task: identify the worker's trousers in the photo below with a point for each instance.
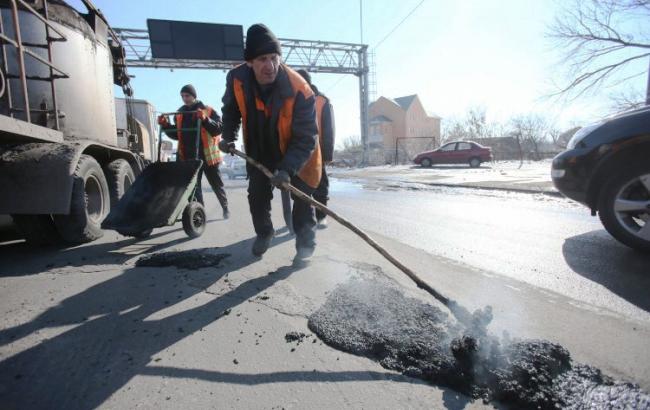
(260, 194)
(214, 179)
(321, 194)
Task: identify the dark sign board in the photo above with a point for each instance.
(184, 40)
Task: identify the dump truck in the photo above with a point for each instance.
(63, 161)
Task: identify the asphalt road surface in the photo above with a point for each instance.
(83, 327)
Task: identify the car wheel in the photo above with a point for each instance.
(425, 163)
(624, 207)
(474, 162)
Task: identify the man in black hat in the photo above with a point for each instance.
(326, 132)
(185, 132)
(277, 110)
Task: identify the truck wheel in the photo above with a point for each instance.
(120, 177)
(89, 204)
(624, 206)
(194, 220)
(38, 230)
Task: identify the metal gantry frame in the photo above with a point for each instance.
(314, 56)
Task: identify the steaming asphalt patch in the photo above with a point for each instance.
(373, 318)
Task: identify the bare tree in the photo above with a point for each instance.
(455, 130)
(602, 38)
(477, 125)
(627, 100)
(530, 130)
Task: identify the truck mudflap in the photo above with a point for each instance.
(36, 178)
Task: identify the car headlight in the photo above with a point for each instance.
(581, 134)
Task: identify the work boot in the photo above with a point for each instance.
(261, 244)
(305, 246)
(322, 223)
(226, 213)
(304, 252)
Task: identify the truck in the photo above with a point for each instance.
(63, 160)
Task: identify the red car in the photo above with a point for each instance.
(459, 152)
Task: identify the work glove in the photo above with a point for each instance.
(163, 121)
(281, 179)
(227, 146)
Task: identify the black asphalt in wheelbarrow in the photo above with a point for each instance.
(157, 198)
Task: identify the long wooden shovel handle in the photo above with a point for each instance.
(454, 307)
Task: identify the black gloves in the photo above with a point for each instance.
(227, 146)
(280, 179)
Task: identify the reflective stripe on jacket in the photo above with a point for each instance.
(209, 143)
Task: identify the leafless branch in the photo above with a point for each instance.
(597, 44)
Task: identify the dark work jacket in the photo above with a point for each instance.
(326, 127)
(213, 125)
(262, 137)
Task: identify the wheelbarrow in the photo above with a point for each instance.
(161, 195)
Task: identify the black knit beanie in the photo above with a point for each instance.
(304, 74)
(259, 41)
(189, 89)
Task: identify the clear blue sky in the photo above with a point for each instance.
(454, 55)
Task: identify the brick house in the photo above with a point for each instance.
(400, 123)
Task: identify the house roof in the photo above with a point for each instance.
(380, 118)
(405, 102)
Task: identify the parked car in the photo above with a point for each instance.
(458, 152)
(607, 168)
(234, 167)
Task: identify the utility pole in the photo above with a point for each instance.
(361, 19)
(363, 90)
(647, 88)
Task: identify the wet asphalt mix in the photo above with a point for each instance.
(373, 318)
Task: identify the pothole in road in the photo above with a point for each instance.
(373, 318)
(190, 259)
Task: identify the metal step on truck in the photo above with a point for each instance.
(63, 160)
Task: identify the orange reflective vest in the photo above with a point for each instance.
(210, 144)
(311, 171)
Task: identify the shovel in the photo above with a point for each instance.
(461, 314)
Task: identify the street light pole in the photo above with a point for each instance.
(647, 88)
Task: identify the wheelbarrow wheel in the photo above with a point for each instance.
(194, 219)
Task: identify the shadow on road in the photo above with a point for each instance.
(601, 259)
(113, 337)
(20, 258)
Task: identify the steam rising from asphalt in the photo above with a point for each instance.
(373, 318)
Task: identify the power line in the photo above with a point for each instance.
(398, 24)
(383, 39)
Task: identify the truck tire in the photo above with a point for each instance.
(120, 177)
(38, 230)
(194, 219)
(89, 204)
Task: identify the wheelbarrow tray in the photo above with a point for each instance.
(157, 197)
